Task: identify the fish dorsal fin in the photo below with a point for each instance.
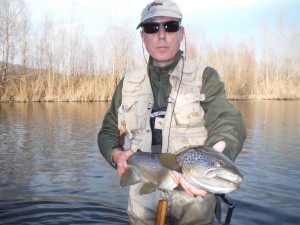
(169, 161)
(148, 188)
(129, 178)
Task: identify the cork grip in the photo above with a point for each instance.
(161, 212)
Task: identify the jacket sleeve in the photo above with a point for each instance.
(109, 132)
(223, 121)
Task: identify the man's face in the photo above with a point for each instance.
(163, 45)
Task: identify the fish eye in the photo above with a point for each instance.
(218, 163)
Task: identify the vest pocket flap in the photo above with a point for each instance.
(188, 110)
(137, 107)
(134, 113)
(133, 83)
(189, 71)
(125, 106)
(190, 66)
(188, 98)
(132, 87)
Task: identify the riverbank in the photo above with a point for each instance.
(59, 88)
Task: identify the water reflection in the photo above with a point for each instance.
(51, 171)
(66, 212)
(270, 163)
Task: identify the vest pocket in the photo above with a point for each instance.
(181, 138)
(141, 110)
(134, 113)
(188, 110)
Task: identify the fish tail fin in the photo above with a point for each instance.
(129, 178)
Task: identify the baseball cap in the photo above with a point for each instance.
(157, 8)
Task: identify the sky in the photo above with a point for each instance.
(236, 18)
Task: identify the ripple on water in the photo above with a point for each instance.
(61, 212)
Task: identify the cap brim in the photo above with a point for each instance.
(160, 14)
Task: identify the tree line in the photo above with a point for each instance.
(58, 63)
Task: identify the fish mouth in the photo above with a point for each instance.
(229, 175)
(214, 185)
(218, 181)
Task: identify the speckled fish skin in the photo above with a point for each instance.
(147, 161)
(202, 167)
(145, 167)
(210, 170)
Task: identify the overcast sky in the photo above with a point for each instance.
(239, 18)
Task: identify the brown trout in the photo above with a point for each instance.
(202, 167)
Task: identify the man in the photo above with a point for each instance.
(172, 104)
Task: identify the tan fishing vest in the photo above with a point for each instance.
(183, 125)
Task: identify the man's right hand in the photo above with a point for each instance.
(120, 158)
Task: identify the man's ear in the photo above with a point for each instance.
(142, 35)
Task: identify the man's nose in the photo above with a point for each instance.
(161, 31)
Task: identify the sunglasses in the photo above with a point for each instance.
(152, 28)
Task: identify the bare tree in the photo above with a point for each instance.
(120, 42)
(11, 15)
(24, 40)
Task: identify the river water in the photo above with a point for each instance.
(51, 171)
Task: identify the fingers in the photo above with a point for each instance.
(190, 189)
(220, 146)
(176, 177)
(122, 161)
(121, 169)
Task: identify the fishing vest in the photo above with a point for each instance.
(183, 124)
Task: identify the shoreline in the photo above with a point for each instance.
(109, 100)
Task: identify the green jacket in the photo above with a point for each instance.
(222, 120)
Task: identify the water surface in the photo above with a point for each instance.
(51, 171)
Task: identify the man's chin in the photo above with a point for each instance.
(163, 60)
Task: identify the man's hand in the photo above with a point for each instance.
(220, 146)
(120, 158)
(190, 189)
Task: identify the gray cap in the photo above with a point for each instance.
(157, 8)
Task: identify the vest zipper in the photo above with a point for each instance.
(159, 91)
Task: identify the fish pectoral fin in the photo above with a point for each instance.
(129, 178)
(169, 161)
(148, 188)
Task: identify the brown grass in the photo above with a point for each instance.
(75, 88)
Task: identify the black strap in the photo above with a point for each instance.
(231, 207)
